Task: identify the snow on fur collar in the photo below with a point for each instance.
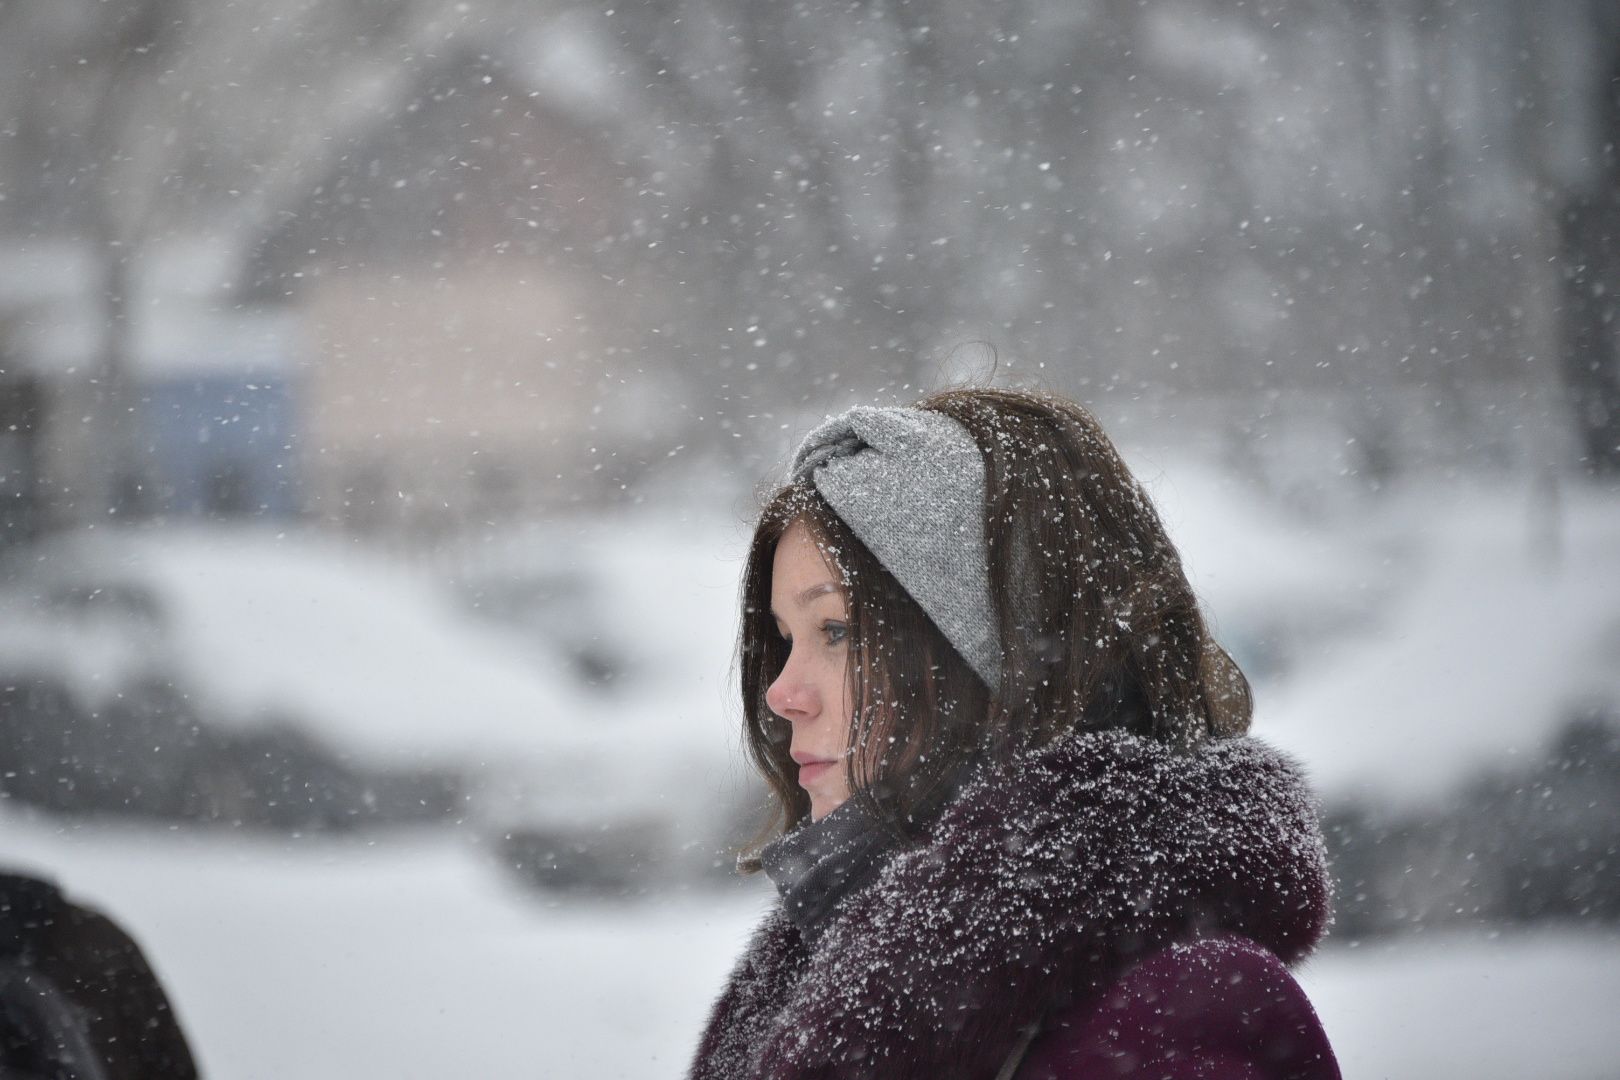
(1038, 886)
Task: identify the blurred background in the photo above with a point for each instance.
(386, 387)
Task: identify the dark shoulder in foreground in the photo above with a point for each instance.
(1219, 1008)
(77, 996)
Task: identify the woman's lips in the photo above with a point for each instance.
(812, 770)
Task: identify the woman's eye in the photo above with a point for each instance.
(836, 633)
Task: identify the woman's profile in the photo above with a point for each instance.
(1020, 828)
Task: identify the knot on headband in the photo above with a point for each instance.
(839, 446)
(909, 483)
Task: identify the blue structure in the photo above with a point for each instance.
(220, 445)
(218, 412)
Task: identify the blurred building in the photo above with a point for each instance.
(463, 339)
(437, 399)
(213, 399)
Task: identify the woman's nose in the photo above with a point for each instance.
(791, 696)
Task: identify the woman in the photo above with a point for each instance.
(1020, 830)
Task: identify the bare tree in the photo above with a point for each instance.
(1589, 250)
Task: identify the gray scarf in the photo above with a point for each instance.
(819, 863)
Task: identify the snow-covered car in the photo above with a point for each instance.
(134, 745)
(248, 673)
(266, 674)
(649, 784)
(541, 584)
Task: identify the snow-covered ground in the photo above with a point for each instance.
(408, 958)
(414, 959)
(1490, 1007)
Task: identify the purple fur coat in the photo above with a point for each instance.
(1138, 906)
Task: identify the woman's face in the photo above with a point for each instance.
(812, 692)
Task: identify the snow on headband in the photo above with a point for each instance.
(909, 483)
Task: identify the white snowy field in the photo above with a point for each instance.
(414, 959)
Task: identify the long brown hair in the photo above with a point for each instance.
(1098, 625)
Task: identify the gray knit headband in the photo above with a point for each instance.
(909, 483)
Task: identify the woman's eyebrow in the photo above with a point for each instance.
(812, 592)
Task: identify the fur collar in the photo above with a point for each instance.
(1039, 884)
